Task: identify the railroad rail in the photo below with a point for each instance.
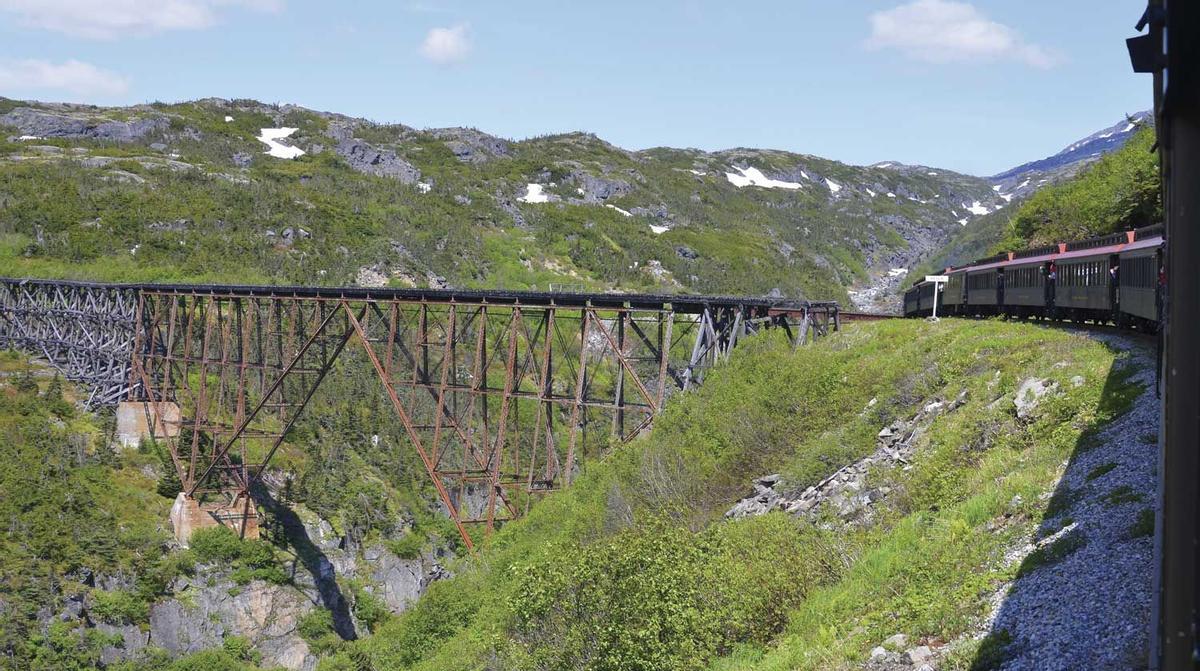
(501, 393)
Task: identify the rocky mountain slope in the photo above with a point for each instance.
(1025, 178)
(242, 191)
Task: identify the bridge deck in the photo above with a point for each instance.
(681, 303)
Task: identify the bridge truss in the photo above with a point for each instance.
(500, 394)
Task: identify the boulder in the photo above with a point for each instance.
(920, 655)
(685, 252)
(379, 162)
(472, 146)
(1030, 394)
(596, 189)
(896, 642)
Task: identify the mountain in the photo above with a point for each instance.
(241, 191)
(220, 190)
(882, 463)
(980, 236)
(1025, 178)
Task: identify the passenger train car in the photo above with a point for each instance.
(1113, 278)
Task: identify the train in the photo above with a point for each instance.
(1110, 279)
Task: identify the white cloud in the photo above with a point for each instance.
(116, 18)
(445, 46)
(943, 31)
(83, 79)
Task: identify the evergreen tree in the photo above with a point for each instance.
(26, 383)
(169, 484)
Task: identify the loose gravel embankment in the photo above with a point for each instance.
(1091, 609)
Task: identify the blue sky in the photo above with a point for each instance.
(976, 86)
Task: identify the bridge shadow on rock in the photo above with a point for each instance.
(1081, 596)
(313, 560)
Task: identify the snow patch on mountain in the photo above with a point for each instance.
(755, 177)
(975, 208)
(534, 193)
(271, 137)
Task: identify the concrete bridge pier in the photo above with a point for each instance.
(189, 514)
(139, 420)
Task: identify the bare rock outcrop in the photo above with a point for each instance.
(367, 159)
(39, 123)
(267, 615)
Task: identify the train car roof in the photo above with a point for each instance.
(1143, 244)
(1094, 251)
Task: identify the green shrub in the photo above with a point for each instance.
(660, 597)
(1052, 553)
(119, 607)
(1100, 470)
(316, 628)
(370, 610)
(239, 648)
(216, 545)
(992, 651)
(408, 546)
(250, 559)
(1120, 495)
(210, 660)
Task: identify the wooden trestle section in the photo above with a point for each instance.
(499, 393)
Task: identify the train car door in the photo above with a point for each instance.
(1114, 270)
(1051, 280)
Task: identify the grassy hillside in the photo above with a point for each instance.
(195, 199)
(633, 568)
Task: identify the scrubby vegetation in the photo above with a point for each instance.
(77, 515)
(633, 567)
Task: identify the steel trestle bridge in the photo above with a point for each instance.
(499, 392)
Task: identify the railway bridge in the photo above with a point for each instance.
(499, 392)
